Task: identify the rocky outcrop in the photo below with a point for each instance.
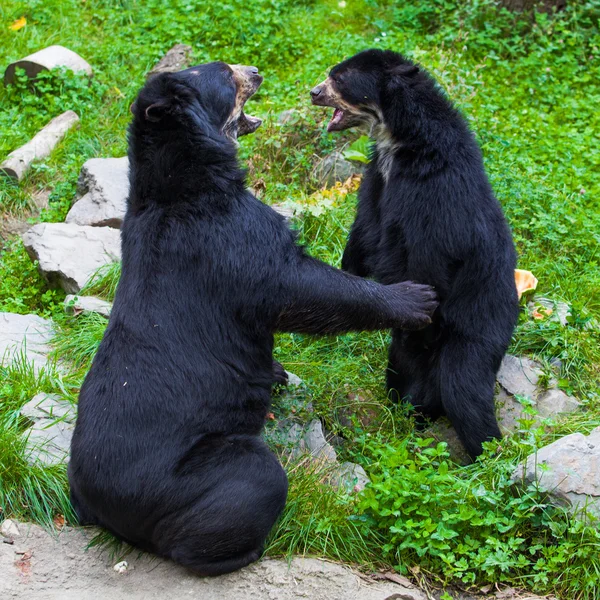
(569, 470)
(68, 255)
(102, 188)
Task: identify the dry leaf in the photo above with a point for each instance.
(271, 416)
(18, 24)
(24, 563)
(59, 521)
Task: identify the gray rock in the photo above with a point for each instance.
(554, 402)
(349, 477)
(9, 529)
(49, 442)
(68, 254)
(560, 310)
(316, 443)
(103, 187)
(285, 211)
(25, 335)
(334, 167)
(87, 304)
(519, 375)
(568, 470)
(48, 406)
(442, 431)
(294, 380)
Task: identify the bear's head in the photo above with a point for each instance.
(370, 88)
(208, 99)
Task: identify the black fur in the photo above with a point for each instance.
(426, 212)
(167, 451)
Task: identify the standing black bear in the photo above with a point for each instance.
(167, 452)
(426, 212)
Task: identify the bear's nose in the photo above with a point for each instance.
(253, 70)
(315, 91)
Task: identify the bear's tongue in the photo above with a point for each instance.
(338, 115)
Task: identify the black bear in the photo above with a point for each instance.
(426, 212)
(167, 451)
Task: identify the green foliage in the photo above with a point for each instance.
(359, 150)
(529, 85)
(472, 524)
(320, 520)
(37, 492)
(22, 289)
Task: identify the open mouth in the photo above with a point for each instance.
(336, 120)
(247, 124)
(248, 80)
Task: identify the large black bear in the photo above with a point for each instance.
(426, 212)
(167, 452)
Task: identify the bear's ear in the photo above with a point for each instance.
(405, 71)
(156, 112)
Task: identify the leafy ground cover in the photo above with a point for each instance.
(530, 85)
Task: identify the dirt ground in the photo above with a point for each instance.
(40, 566)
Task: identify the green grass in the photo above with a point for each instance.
(530, 86)
(36, 492)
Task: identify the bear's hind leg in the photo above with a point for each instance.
(466, 377)
(409, 377)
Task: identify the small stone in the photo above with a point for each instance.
(560, 310)
(294, 380)
(285, 211)
(68, 255)
(26, 336)
(519, 375)
(350, 477)
(102, 188)
(48, 406)
(87, 304)
(316, 443)
(121, 567)
(334, 168)
(9, 529)
(49, 442)
(568, 470)
(555, 402)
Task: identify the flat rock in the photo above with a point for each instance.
(316, 444)
(349, 477)
(294, 380)
(102, 188)
(48, 406)
(87, 304)
(519, 375)
(63, 568)
(333, 168)
(569, 469)
(68, 255)
(49, 441)
(25, 335)
(46, 59)
(560, 310)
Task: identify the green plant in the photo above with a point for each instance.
(473, 524)
(29, 491)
